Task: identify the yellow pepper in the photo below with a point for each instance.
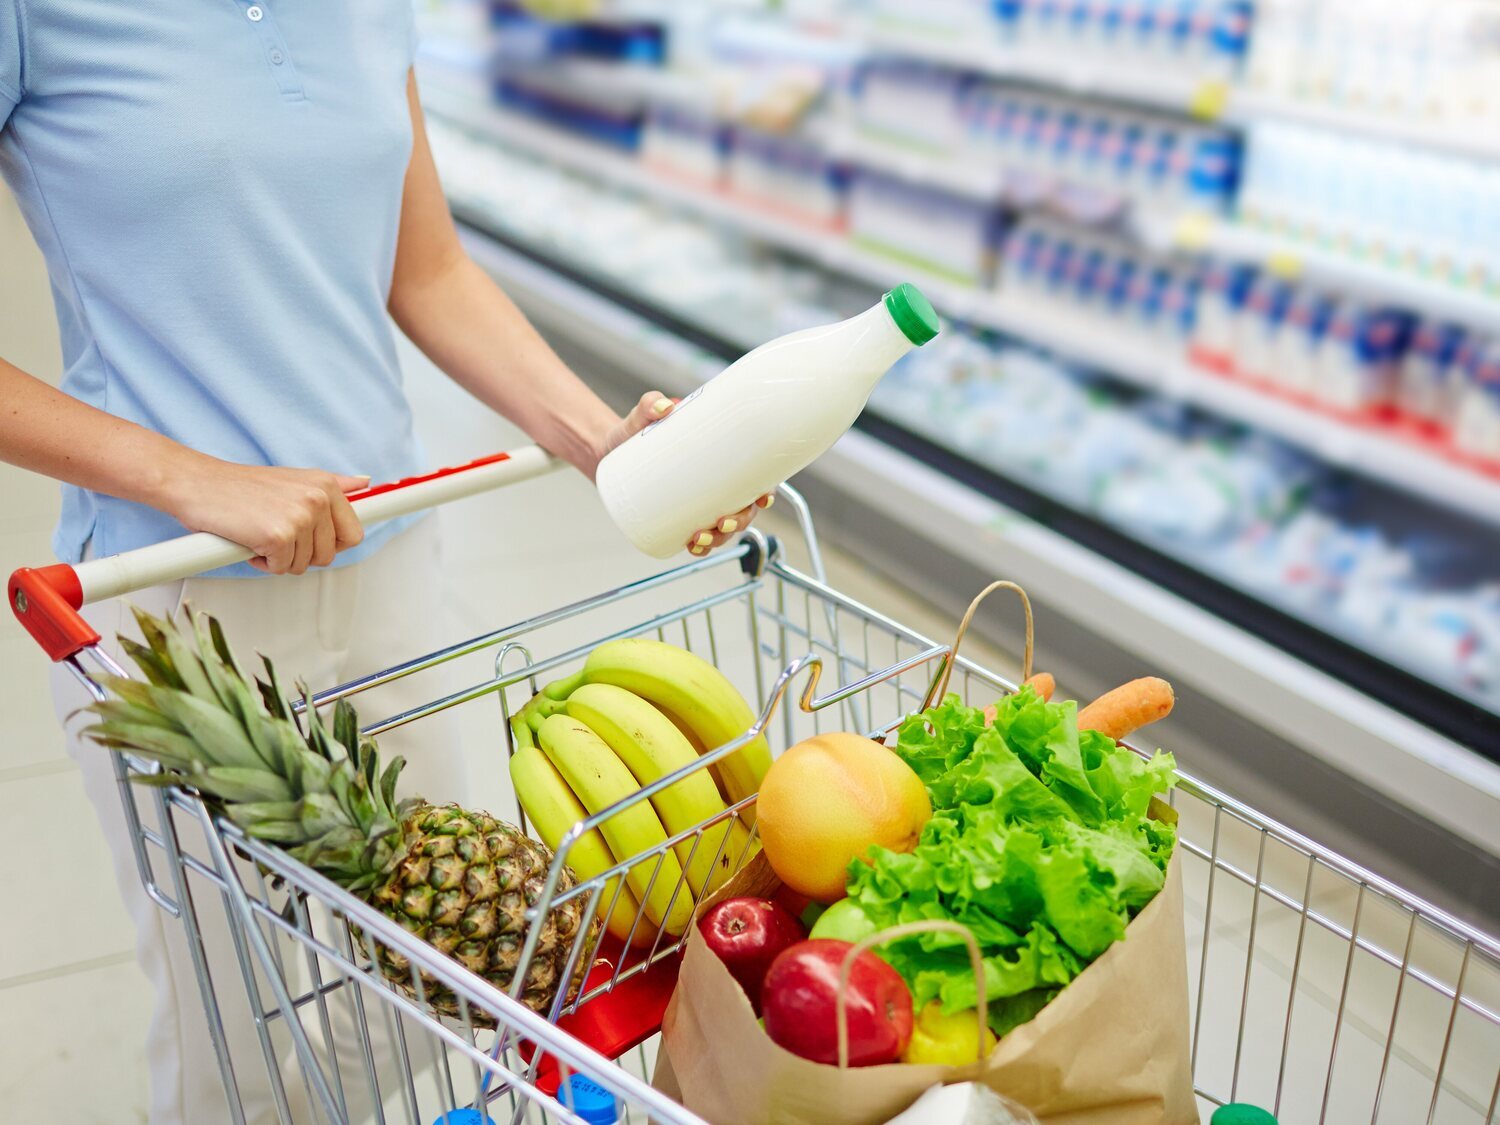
(945, 1040)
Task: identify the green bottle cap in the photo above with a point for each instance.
(912, 313)
(1240, 1113)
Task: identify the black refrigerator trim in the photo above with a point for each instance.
(1460, 719)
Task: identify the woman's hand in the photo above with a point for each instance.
(291, 518)
(653, 407)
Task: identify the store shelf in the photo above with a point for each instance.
(935, 170)
(1341, 444)
(826, 248)
(1408, 468)
(1478, 141)
(1346, 274)
(1326, 717)
(1208, 97)
(1076, 72)
(623, 169)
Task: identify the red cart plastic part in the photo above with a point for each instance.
(437, 474)
(46, 601)
(617, 1021)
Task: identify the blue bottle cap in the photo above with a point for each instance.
(465, 1116)
(589, 1100)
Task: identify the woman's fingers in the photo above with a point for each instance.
(347, 530)
(710, 537)
(280, 549)
(736, 522)
(324, 543)
(652, 406)
(302, 555)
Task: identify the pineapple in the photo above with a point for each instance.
(458, 879)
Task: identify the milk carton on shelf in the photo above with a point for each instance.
(1294, 349)
(1432, 374)
(1259, 324)
(1476, 429)
(1360, 358)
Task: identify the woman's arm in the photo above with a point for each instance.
(458, 316)
(292, 518)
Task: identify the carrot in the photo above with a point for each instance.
(1045, 685)
(1043, 682)
(1128, 707)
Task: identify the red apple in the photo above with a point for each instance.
(747, 934)
(799, 1004)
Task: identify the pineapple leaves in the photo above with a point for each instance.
(120, 711)
(271, 693)
(130, 691)
(276, 831)
(152, 666)
(311, 785)
(231, 784)
(182, 659)
(171, 749)
(221, 741)
(221, 646)
(321, 815)
(369, 763)
(342, 784)
(154, 631)
(318, 738)
(346, 727)
(250, 811)
(388, 785)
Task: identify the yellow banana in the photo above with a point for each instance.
(651, 747)
(553, 809)
(693, 694)
(598, 778)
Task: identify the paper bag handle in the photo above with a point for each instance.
(940, 685)
(934, 925)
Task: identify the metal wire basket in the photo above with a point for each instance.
(1321, 990)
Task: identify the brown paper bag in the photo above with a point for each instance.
(1110, 1049)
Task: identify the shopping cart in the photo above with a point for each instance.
(1321, 990)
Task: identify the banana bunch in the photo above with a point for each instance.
(639, 710)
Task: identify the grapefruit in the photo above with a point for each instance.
(827, 801)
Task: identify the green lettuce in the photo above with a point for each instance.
(1040, 842)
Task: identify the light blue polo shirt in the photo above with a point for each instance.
(216, 186)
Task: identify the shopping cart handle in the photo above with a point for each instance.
(46, 600)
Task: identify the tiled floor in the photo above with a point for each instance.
(74, 1006)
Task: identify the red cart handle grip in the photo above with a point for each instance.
(46, 600)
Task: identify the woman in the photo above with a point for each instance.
(234, 198)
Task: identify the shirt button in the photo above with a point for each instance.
(255, 13)
(277, 57)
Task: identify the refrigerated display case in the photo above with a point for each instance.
(1268, 422)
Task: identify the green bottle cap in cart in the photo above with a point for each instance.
(1239, 1113)
(912, 312)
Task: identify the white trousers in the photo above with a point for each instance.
(325, 627)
